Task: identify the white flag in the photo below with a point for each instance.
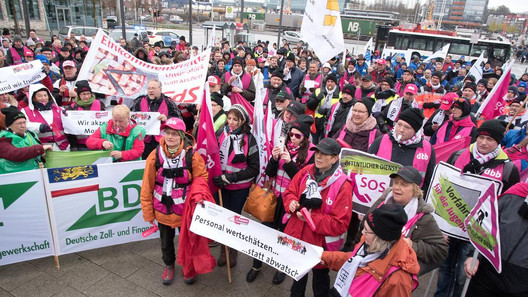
(212, 38)
(259, 129)
(476, 69)
(368, 52)
(321, 28)
(439, 54)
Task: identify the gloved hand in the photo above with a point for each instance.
(45, 128)
(221, 181)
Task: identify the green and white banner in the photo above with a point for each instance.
(370, 174)
(78, 122)
(96, 205)
(56, 159)
(454, 195)
(25, 232)
(280, 251)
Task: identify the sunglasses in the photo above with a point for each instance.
(296, 135)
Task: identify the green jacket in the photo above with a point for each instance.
(117, 140)
(30, 139)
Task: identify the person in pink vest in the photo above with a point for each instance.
(16, 53)
(393, 110)
(350, 75)
(169, 173)
(238, 81)
(284, 163)
(441, 115)
(155, 101)
(311, 82)
(367, 87)
(44, 117)
(421, 231)
(484, 157)
(239, 158)
(459, 124)
(324, 190)
(382, 264)
(85, 100)
(341, 112)
(405, 145)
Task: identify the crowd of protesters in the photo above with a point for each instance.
(392, 108)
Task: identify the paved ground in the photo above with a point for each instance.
(134, 269)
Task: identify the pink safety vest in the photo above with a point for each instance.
(333, 243)
(347, 79)
(266, 97)
(495, 173)
(236, 167)
(331, 118)
(246, 79)
(57, 135)
(178, 193)
(163, 109)
(421, 158)
(372, 135)
(96, 106)
(307, 94)
(441, 133)
(16, 57)
(282, 181)
(358, 94)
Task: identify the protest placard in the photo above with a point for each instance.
(371, 176)
(24, 226)
(112, 70)
(454, 195)
(280, 251)
(79, 122)
(18, 76)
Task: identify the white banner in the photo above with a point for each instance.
(78, 122)
(438, 54)
(112, 70)
(96, 206)
(25, 232)
(454, 195)
(280, 251)
(18, 76)
(407, 54)
(321, 28)
(476, 69)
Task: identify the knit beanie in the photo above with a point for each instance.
(514, 90)
(242, 110)
(483, 82)
(349, 89)
(295, 107)
(83, 86)
(217, 98)
(303, 124)
(239, 61)
(12, 113)
(437, 74)
(278, 73)
(492, 128)
(471, 86)
(463, 105)
(413, 117)
(368, 102)
(388, 80)
(387, 221)
(332, 77)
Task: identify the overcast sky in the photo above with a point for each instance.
(515, 6)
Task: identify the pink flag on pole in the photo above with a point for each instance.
(494, 104)
(482, 225)
(206, 142)
(444, 150)
(236, 98)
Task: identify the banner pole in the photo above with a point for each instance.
(473, 263)
(225, 246)
(50, 216)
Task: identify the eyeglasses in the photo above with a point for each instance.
(296, 135)
(359, 111)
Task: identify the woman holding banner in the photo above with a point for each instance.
(321, 191)
(238, 81)
(284, 163)
(459, 124)
(420, 232)
(382, 263)
(170, 170)
(239, 158)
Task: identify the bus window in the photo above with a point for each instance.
(458, 48)
(418, 43)
(402, 43)
(477, 49)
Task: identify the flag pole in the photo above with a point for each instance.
(53, 237)
(225, 246)
(473, 263)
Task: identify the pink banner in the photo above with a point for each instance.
(444, 150)
(496, 103)
(236, 98)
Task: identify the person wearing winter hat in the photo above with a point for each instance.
(311, 81)
(361, 129)
(441, 115)
(484, 157)
(469, 92)
(237, 84)
(366, 88)
(290, 111)
(406, 79)
(405, 145)
(383, 249)
(173, 162)
(219, 115)
(521, 89)
(515, 116)
(341, 111)
(422, 233)
(430, 94)
(482, 91)
(395, 107)
(21, 149)
(16, 54)
(283, 165)
(293, 76)
(458, 126)
(350, 75)
(321, 102)
(239, 158)
(302, 192)
(256, 74)
(383, 95)
(275, 87)
(380, 71)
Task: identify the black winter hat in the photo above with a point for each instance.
(217, 98)
(278, 73)
(388, 80)
(387, 221)
(349, 89)
(295, 107)
(471, 86)
(291, 57)
(239, 61)
(368, 102)
(413, 117)
(463, 105)
(437, 74)
(483, 82)
(514, 90)
(303, 124)
(493, 128)
(83, 86)
(332, 77)
(12, 113)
